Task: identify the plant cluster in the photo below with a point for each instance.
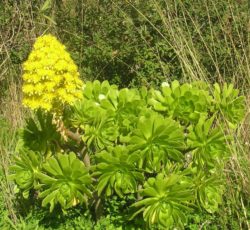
(165, 148)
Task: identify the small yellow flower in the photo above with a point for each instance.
(49, 86)
(50, 97)
(38, 88)
(28, 89)
(50, 77)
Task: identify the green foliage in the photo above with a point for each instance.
(118, 211)
(229, 104)
(157, 140)
(27, 165)
(162, 148)
(119, 54)
(117, 171)
(165, 199)
(101, 133)
(76, 218)
(209, 190)
(186, 102)
(105, 112)
(40, 134)
(208, 143)
(64, 180)
(141, 49)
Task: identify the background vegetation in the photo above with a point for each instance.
(129, 43)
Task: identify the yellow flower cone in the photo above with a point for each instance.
(51, 79)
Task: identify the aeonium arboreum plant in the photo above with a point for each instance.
(165, 198)
(24, 171)
(65, 180)
(117, 171)
(163, 147)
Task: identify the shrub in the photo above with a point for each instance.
(164, 148)
(133, 44)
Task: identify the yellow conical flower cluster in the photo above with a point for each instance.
(50, 77)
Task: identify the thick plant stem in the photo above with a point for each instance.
(98, 206)
(74, 136)
(86, 158)
(77, 137)
(66, 133)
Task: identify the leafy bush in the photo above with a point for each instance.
(163, 148)
(148, 43)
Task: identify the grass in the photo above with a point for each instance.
(7, 197)
(180, 36)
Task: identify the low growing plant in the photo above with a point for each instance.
(166, 148)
